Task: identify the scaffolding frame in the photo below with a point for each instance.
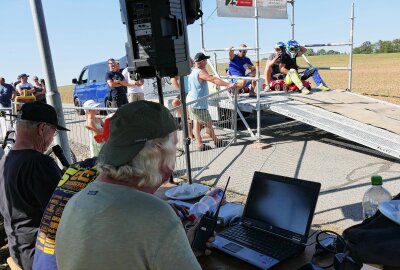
(257, 65)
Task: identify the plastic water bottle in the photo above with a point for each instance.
(197, 211)
(374, 196)
(206, 204)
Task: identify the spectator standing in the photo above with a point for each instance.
(94, 124)
(238, 65)
(134, 88)
(117, 84)
(198, 88)
(7, 93)
(40, 89)
(116, 222)
(28, 179)
(24, 85)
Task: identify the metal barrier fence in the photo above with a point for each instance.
(220, 109)
(217, 131)
(6, 123)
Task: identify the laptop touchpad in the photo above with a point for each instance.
(232, 247)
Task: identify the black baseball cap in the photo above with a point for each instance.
(39, 112)
(22, 75)
(131, 126)
(200, 56)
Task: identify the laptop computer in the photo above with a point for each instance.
(275, 223)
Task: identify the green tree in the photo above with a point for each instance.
(310, 52)
(396, 45)
(321, 52)
(332, 52)
(367, 47)
(357, 50)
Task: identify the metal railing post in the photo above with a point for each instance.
(184, 122)
(258, 75)
(234, 118)
(351, 49)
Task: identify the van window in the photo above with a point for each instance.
(84, 76)
(98, 72)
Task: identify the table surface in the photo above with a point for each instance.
(220, 260)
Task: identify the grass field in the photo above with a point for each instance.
(377, 75)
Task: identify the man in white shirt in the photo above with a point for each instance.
(24, 85)
(135, 88)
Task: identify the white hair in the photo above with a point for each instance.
(145, 166)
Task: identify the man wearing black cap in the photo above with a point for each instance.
(116, 222)
(198, 88)
(24, 85)
(27, 179)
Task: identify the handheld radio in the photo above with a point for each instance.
(206, 226)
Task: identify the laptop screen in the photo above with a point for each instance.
(281, 204)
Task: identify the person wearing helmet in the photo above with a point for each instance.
(272, 65)
(289, 67)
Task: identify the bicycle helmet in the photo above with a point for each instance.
(280, 45)
(293, 47)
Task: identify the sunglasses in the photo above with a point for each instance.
(243, 51)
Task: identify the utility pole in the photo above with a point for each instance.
(52, 94)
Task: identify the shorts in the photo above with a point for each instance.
(135, 97)
(233, 80)
(201, 115)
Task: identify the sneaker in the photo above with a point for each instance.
(322, 87)
(305, 91)
(267, 88)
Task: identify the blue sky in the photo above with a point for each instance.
(90, 31)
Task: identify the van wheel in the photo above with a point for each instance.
(77, 104)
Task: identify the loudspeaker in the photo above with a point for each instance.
(157, 37)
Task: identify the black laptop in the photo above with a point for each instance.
(276, 221)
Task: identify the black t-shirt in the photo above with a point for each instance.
(27, 181)
(275, 66)
(111, 75)
(289, 61)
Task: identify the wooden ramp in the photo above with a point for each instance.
(370, 122)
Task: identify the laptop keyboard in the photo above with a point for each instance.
(269, 244)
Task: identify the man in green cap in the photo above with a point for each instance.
(116, 222)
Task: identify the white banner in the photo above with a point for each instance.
(268, 9)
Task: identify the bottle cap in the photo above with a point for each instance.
(376, 180)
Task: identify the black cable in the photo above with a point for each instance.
(338, 245)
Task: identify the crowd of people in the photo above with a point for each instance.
(9, 91)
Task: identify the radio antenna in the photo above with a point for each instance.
(222, 198)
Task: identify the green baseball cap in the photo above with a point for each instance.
(131, 126)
